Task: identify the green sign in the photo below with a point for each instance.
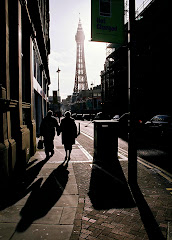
(107, 21)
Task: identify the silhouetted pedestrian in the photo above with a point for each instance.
(69, 133)
(48, 128)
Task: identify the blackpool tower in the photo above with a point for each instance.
(80, 75)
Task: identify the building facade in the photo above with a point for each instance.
(66, 104)
(87, 101)
(152, 66)
(24, 79)
(114, 82)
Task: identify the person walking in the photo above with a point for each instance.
(69, 133)
(49, 126)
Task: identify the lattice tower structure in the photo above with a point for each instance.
(80, 74)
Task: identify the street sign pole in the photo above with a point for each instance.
(132, 149)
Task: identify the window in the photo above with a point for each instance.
(105, 8)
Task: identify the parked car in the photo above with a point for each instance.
(79, 116)
(73, 115)
(159, 126)
(124, 123)
(101, 116)
(116, 117)
(92, 116)
(87, 116)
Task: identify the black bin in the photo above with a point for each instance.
(105, 141)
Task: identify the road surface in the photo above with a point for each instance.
(149, 152)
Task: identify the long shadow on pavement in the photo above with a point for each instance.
(150, 224)
(21, 184)
(43, 198)
(109, 188)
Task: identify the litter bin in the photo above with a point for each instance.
(105, 141)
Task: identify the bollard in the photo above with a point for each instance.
(78, 128)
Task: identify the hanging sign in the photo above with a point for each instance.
(107, 21)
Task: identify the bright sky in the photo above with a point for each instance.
(64, 18)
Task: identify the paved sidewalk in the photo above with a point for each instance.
(43, 204)
(56, 201)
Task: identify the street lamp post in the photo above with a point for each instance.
(58, 71)
(58, 95)
(92, 98)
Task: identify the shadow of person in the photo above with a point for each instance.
(21, 184)
(43, 198)
(151, 226)
(108, 187)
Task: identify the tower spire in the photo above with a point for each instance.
(80, 74)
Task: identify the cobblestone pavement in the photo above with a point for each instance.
(147, 218)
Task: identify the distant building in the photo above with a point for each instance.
(24, 80)
(87, 101)
(54, 104)
(66, 104)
